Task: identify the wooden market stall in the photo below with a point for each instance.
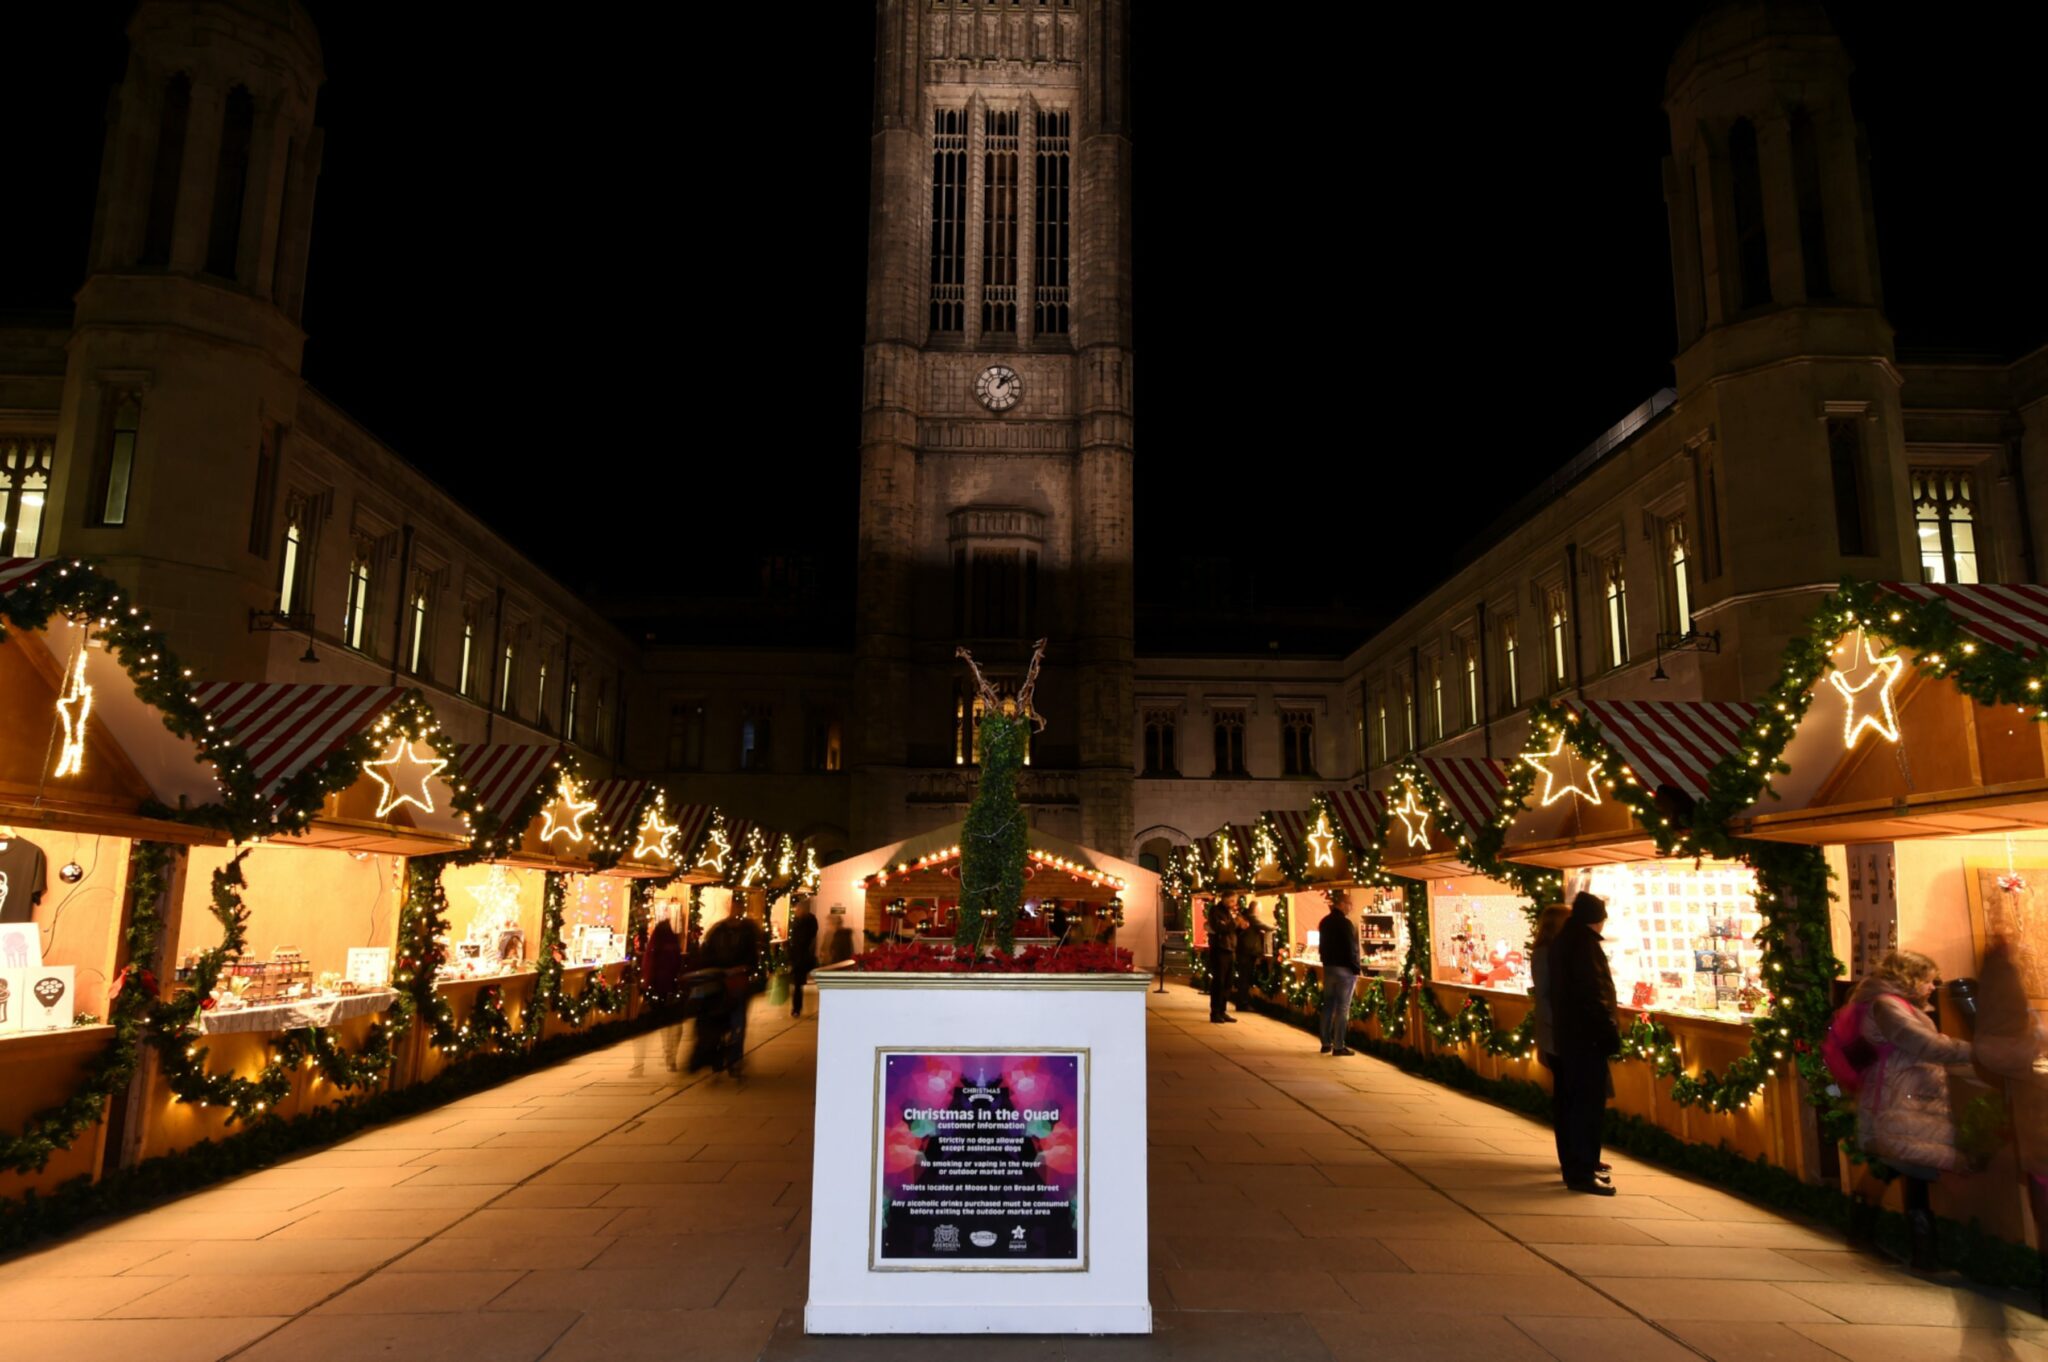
(1335, 838)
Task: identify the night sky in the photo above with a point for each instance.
(612, 295)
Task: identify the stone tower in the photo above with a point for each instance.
(1785, 363)
(996, 434)
(182, 378)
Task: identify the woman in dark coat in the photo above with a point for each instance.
(1584, 1031)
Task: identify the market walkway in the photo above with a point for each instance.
(1302, 1208)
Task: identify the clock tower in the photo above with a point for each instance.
(996, 430)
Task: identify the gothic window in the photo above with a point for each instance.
(268, 436)
(1677, 579)
(570, 705)
(823, 744)
(1557, 655)
(1813, 231)
(999, 221)
(540, 695)
(172, 116)
(1472, 710)
(686, 735)
(1229, 736)
(1510, 663)
(754, 735)
(1436, 699)
(1053, 209)
(1408, 716)
(231, 177)
(1297, 742)
(995, 591)
(1845, 465)
(25, 465)
(1160, 758)
(295, 566)
(420, 656)
(355, 607)
(1708, 472)
(1752, 245)
(1944, 517)
(949, 220)
(601, 728)
(968, 708)
(1386, 752)
(114, 473)
(1616, 606)
(508, 663)
(465, 672)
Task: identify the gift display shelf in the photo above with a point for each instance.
(294, 1013)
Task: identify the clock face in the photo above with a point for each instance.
(999, 387)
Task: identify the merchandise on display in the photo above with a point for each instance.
(1681, 939)
(1481, 939)
(23, 877)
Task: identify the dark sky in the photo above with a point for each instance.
(611, 292)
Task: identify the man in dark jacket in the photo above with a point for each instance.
(1251, 945)
(1582, 1023)
(1222, 924)
(1337, 936)
(803, 953)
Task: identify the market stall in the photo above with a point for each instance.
(1339, 834)
(1913, 757)
(1225, 862)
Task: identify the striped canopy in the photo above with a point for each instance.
(1289, 827)
(692, 820)
(1472, 786)
(284, 727)
(2006, 616)
(1670, 742)
(1359, 812)
(617, 802)
(502, 774)
(17, 573)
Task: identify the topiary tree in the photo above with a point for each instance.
(993, 844)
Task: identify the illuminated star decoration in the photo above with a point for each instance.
(74, 706)
(409, 787)
(566, 814)
(1883, 673)
(716, 849)
(1322, 843)
(498, 897)
(1414, 816)
(657, 838)
(1269, 850)
(1552, 789)
(813, 874)
(757, 859)
(1224, 843)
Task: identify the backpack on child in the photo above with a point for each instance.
(1844, 1050)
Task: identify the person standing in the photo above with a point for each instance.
(1548, 925)
(1222, 923)
(1251, 944)
(1586, 1037)
(660, 987)
(731, 949)
(1338, 938)
(838, 938)
(803, 953)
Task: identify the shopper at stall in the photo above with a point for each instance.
(1902, 1105)
(1586, 1037)
(803, 952)
(838, 938)
(1548, 925)
(660, 987)
(731, 950)
(1338, 936)
(2010, 1044)
(1251, 945)
(1222, 925)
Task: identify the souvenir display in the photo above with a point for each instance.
(1481, 939)
(23, 877)
(1682, 938)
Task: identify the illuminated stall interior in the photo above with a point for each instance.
(1337, 821)
(1479, 926)
(913, 889)
(1226, 857)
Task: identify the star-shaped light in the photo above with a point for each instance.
(74, 707)
(566, 814)
(1883, 673)
(1414, 816)
(813, 872)
(1553, 790)
(757, 860)
(1269, 850)
(403, 773)
(498, 897)
(657, 838)
(1322, 843)
(1225, 849)
(716, 848)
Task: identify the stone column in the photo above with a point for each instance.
(195, 182)
(262, 201)
(288, 290)
(1852, 242)
(1781, 207)
(977, 186)
(1027, 215)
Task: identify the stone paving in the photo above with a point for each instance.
(1302, 1207)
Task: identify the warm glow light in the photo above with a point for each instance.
(1414, 816)
(657, 838)
(1884, 673)
(1553, 790)
(74, 706)
(1322, 843)
(716, 849)
(566, 814)
(408, 786)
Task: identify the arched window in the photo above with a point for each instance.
(1752, 245)
(171, 119)
(1813, 231)
(231, 177)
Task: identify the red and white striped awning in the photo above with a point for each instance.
(500, 775)
(617, 801)
(1360, 812)
(1472, 786)
(18, 573)
(1289, 826)
(1670, 742)
(284, 727)
(692, 820)
(2011, 616)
